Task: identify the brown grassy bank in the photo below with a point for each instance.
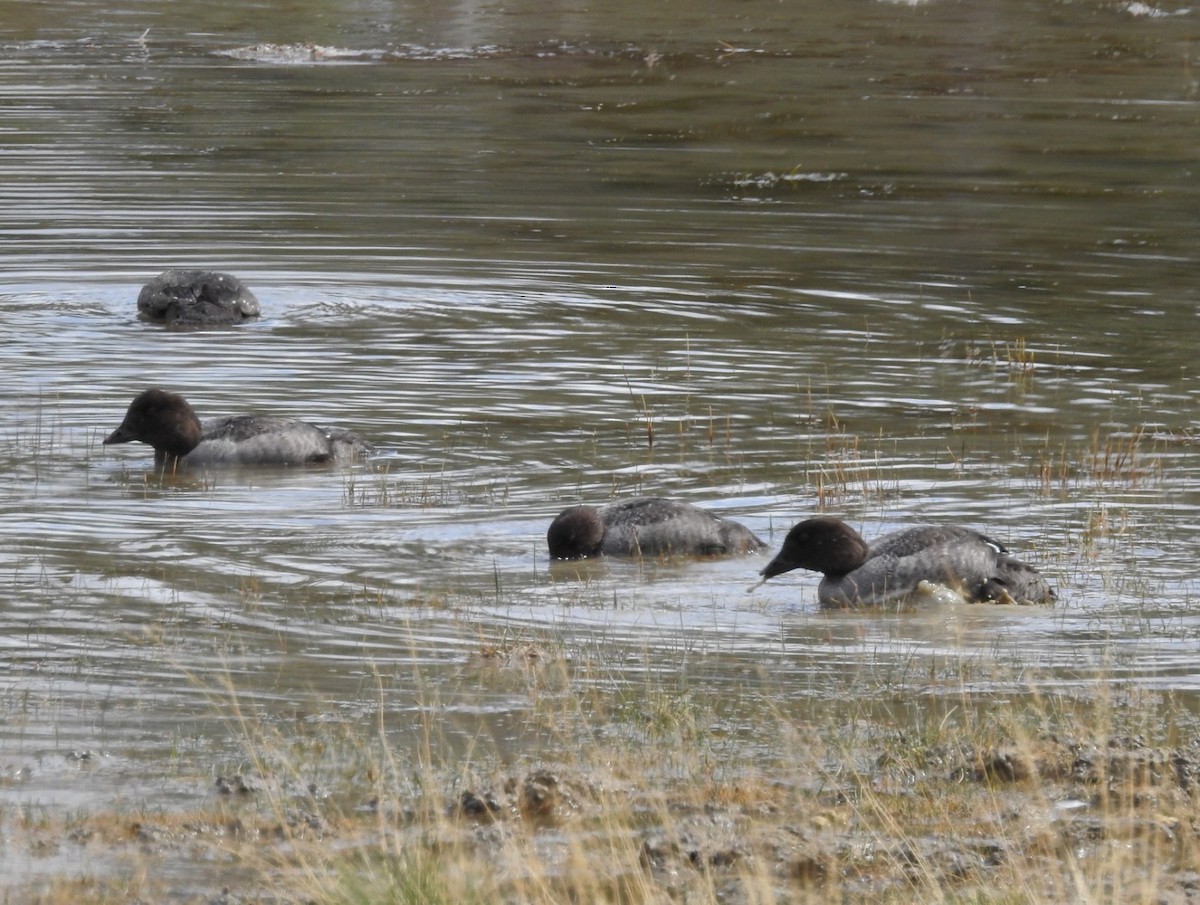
(650, 796)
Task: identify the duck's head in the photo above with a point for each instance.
(162, 420)
(577, 532)
(823, 544)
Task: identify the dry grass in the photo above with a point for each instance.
(643, 795)
(1013, 357)
(1125, 458)
(986, 808)
(847, 471)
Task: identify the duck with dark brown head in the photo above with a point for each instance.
(647, 526)
(898, 567)
(169, 424)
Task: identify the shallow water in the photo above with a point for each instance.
(907, 263)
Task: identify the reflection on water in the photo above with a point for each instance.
(928, 262)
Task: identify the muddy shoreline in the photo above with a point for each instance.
(1053, 815)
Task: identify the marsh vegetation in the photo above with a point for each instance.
(940, 779)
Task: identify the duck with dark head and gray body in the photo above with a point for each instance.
(168, 423)
(648, 526)
(899, 567)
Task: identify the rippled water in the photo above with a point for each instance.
(905, 263)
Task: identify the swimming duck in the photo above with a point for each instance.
(167, 422)
(905, 563)
(648, 526)
(195, 298)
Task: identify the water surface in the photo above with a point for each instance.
(904, 263)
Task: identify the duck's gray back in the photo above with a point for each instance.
(196, 297)
(956, 557)
(657, 527)
(264, 440)
(912, 541)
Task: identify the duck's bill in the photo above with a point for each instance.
(773, 568)
(120, 435)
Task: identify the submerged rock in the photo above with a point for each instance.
(196, 298)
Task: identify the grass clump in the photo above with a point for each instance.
(1119, 459)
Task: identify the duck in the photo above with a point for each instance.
(196, 298)
(902, 566)
(168, 423)
(647, 526)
